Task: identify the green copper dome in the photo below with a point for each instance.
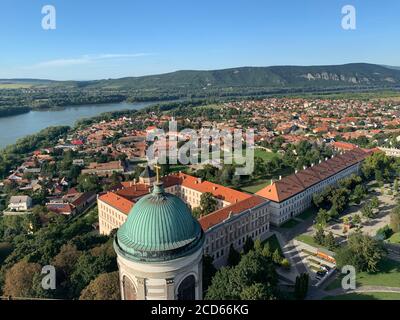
(159, 227)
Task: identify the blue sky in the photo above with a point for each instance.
(97, 39)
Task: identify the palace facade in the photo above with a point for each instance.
(291, 195)
(239, 215)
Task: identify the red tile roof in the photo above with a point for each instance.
(218, 191)
(344, 145)
(133, 191)
(219, 216)
(118, 202)
(298, 182)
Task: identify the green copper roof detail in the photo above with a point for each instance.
(160, 226)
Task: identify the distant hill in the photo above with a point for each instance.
(357, 74)
(392, 67)
(331, 76)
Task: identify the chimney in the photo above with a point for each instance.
(199, 180)
(280, 177)
(295, 171)
(215, 188)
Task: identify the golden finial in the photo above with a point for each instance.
(158, 168)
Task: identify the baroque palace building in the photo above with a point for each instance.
(160, 245)
(239, 215)
(293, 194)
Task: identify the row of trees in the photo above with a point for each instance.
(333, 200)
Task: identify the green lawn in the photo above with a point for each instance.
(388, 275)
(256, 186)
(307, 239)
(366, 296)
(265, 155)
(273, 244)
(395, 238)
(5, 250)
(290, 224)
(307, 214)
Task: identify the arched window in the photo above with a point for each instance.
(129, 289)
(187, 289)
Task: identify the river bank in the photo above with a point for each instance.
(17, 126)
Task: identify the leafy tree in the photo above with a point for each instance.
(322, 218)
(301, 286)
(208, 203)
(358, 193)
(19, 279)
(395, 219)
(368, 212)
(88, 268)
(361, 251)
(276, 257)
(104, 287)
(233, 283)
(374, 203)
(378, 166)
(266, 251)
(330, 241)
(88, 182)
(257, 291)
(319, 236)
(396, 185)
(318, 199)
(66, 259)
(258, 245)
(233, 257)
(197, 212)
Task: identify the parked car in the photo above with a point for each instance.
(326, 267)
(321, 273)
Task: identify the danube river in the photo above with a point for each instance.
(15, 127)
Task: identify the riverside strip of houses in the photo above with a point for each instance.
(239, 215)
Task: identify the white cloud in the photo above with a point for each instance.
(86, 59)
